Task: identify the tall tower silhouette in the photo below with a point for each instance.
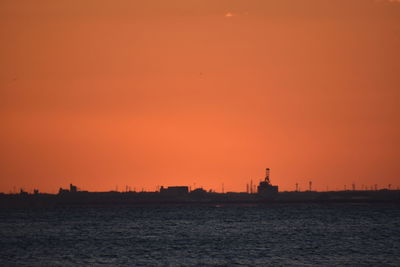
(267, 179)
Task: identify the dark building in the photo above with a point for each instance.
(175, 190)
(62, 191)
(198, 193)
(73, 188)
(265, 187)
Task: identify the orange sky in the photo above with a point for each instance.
(106, 93)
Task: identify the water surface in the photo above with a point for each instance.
(295, 234)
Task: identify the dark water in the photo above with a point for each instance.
(274, 235)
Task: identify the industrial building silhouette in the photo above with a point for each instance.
(183, 195)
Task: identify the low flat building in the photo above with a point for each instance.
(175, 190)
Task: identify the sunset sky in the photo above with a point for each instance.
(106, 93)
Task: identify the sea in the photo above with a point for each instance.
(218, 235)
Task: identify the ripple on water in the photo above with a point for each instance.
(266, 235)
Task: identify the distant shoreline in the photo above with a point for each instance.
(148, 199)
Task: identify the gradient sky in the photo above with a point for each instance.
(106, 93)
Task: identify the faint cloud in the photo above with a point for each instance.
(230, 14)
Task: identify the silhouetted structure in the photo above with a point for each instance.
(198, 191)
(72, 189)
(265, 187)
(175, 190)
(266, 193)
